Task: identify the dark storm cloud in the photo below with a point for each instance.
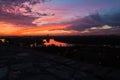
(10, 11)
(112, 19)
(96, 20)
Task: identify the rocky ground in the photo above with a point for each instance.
(21, 64)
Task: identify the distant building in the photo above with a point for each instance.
(3, 41)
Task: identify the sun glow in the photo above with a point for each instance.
(56, 29)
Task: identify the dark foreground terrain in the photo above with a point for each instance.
(23, 64)
(82, 58)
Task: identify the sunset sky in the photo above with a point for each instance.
(59, 17)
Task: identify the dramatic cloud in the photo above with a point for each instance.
(65, 17)
(20, 12)
(16, 19)
(19, 2)
(96, 21)
(16, 6)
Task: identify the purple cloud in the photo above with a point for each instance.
(16, 19)
(19, 12)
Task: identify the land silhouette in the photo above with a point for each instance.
(41, 56)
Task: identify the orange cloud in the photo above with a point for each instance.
(53, 29)
(43, 30)
(51, 20)
(8, 29)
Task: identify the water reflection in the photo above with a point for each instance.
(54, 42)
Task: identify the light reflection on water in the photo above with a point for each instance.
(56, 43)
